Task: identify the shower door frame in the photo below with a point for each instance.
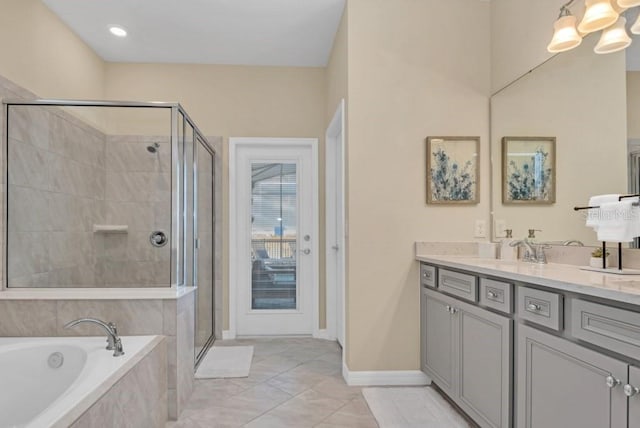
(179, 170)
(196, 241)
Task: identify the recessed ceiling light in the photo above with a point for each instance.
(118, 31)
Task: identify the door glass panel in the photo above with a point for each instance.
(204, 227)
(273, 236)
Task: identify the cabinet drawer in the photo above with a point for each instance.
(496, 295)
(458, 284)
(427, 275)
(612, 328)
(540, 307)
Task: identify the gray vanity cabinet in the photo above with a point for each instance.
(562, 384)
(467, 353)
(437, 339)
(634, 401)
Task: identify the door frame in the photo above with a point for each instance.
(234, 144)
(336, 128)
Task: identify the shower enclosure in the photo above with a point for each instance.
(109, 194)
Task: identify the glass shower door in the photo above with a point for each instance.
(204, 247)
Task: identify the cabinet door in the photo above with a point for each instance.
(561, 384)
(484, 369)
(634, 402)
(438, 337)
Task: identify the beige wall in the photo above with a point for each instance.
(43, 55)
(520, 33)
(336, 72)
(336, 90)
(579, 98)
(233, 101)
(633, 104)
(411, 74)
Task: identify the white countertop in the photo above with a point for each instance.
(562, 277)
(160, 293)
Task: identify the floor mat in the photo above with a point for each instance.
(409, 407)
(225, 362)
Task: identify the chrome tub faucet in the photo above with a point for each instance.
(113, 340)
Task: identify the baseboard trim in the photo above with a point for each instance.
(323, 334)
(228, 335)
(384, 377)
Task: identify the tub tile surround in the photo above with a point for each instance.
(184, 354)
(28, 318)
(138, 399)
(172, 317)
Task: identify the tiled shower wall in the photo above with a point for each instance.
(57, 186)
(138, 194)
(64, 178)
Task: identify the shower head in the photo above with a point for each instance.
(153, 148)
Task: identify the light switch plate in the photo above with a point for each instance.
(480, 229)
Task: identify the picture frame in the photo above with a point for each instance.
(453, 165)
(528, 170)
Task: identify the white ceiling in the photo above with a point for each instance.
(243, 32)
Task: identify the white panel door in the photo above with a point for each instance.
(275, 237)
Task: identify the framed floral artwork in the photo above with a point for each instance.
(529, 170)
(452, 170)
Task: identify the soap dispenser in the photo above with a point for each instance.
(507, 252)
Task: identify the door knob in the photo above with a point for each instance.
(306, 251)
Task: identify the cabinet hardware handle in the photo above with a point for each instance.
(533, 307)
(492, 295)
(448, 308)
(427, 274)
(612, 382)
(454, 310)
(630, 390)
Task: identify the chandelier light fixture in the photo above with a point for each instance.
(599, 15)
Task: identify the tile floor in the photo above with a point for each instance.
(294, 382)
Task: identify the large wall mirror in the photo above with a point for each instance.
(590, 104)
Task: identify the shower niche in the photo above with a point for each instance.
(109, 195)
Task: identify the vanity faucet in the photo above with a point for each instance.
(534, 253)
(113, 340)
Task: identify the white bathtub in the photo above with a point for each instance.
(34, 394)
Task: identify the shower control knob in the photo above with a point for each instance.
(158, 238)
